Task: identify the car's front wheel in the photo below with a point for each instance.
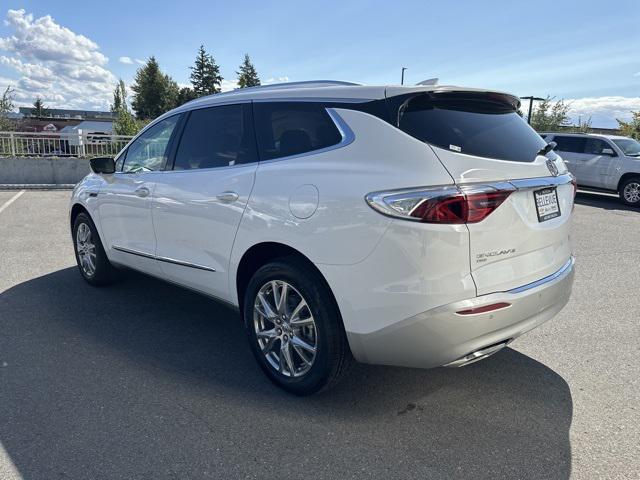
(90, 255)
(630, 192)
(294, 327)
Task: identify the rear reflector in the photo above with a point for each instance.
(448, 205)
(484, 308)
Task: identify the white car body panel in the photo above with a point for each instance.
(398, 284)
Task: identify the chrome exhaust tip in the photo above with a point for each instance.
(478, 355)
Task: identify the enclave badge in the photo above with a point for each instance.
(551, 165)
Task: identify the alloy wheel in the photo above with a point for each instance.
(86, 249)
(632, 192)
(285, 328)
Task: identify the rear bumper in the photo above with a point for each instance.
(441, 336)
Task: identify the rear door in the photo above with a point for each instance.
(485, 144)
(198, 203)
(571, 149)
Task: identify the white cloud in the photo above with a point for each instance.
(66, 69)
(603, 110)
(228, 85)
(140, 62)
(125, 60)
(283, 79)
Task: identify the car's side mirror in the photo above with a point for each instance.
(102, 165)
(608, 151)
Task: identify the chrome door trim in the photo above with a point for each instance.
(163, 259)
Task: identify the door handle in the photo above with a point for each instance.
(142, 192)
(227, 197)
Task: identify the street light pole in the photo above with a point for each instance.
(531, 99)
(402, 77)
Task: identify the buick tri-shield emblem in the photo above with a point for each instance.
(551, 165)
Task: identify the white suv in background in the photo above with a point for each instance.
(414, 226)
(607, 163)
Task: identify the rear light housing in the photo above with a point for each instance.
(445, 205)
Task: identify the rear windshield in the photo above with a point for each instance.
(474, 126)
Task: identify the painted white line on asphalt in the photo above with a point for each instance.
(11, 200)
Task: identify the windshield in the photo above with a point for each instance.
(629, 146)
(474, 126)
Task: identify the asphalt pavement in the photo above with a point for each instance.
(143, 380)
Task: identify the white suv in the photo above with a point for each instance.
(414, 226)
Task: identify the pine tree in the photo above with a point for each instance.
(154, 91)
(205, 74)
(247, 76)
(39, 110)
(119, 97)
(185, 95)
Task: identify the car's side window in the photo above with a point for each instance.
(217, 137)
(148, 152)
(570, 144)
(595, 146)
(292, 128)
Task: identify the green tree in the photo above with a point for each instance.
(119, 97)
(6, 107)
(205, 74)
(185, 95)
(125, 123)
(549, 115)
(247, 76)
(154, 91)
(39, 110)
(632, 127)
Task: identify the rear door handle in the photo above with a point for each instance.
(142, 192)
(228, 197)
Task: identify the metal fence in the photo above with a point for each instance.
(45, 144)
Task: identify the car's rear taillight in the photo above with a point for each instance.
(450, 205)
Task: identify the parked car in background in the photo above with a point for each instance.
(602, 162)
(415, 226)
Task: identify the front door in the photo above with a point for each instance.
(124, 201)
(199, 203)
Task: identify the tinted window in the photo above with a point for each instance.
(216, 137)
(594, 146)
(149, 151)
(628, 146)
(570, 144)
(291, 128)
(474, 126)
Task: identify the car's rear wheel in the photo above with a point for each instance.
(294, 327)
(92, 260)
(630, 192)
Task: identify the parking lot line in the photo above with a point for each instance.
(11, 200)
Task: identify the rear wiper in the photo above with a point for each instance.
(547, 148)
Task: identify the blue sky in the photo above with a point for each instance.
(584, 51)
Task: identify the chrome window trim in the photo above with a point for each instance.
(345, 131)
(564, 271)
(162, 259)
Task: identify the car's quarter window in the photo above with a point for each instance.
(148, 152)
(570, 144)
(292, 128)
(217, 137)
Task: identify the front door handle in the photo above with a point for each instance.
(228, 197)
(142, 192)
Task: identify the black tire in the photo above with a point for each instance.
(332, 354)
(104, 273)
(630, 192)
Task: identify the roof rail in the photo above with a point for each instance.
(284, 86)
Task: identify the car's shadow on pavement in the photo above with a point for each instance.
(146, 380)
(604, 201)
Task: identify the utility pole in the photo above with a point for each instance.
(402, 77)
(531, 99)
